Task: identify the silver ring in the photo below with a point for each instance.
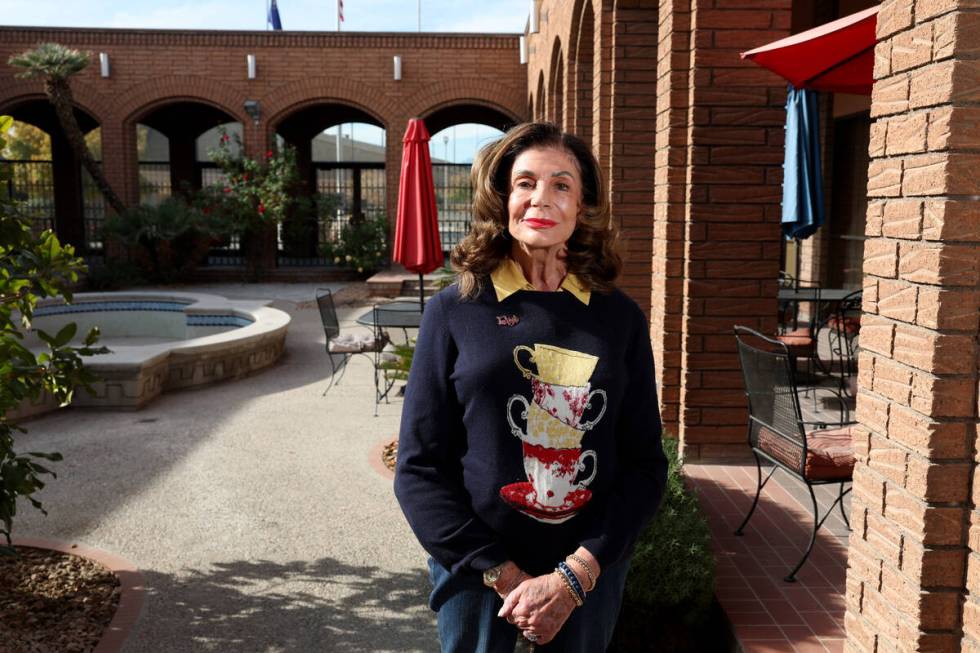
(531, 637)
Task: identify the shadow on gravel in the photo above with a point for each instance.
(265, 606)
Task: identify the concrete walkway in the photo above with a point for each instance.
(250, 507)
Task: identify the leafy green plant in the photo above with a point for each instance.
(399, 367)
(166, 242)
(257, 193)
(32, 267)
(362, 244)
(673, 564)
(669, 596)
(56, 64)
(444, 277)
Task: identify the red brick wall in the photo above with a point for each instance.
(914, 569)
(294, 69)
(732, 194)
(621, 103)
(670, 195)
(631, 141)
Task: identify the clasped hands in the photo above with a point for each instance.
(538, 606)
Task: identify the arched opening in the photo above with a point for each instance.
(556, 89)
(584, 65)
(457, 134)
(47, 178)
(542, 100)
(340, 154)
(172, 145)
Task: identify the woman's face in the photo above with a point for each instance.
(545, 197)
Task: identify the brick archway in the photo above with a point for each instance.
(84, 97)
(556, 84)
(580, 70)
(308, 92)
(151, 94)
(510, 102)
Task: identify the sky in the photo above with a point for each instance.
(507, 16)
(319, 15)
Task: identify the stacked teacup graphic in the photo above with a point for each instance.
(552, 438)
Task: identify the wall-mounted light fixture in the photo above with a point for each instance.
(533, 28)
(523, 49)
(398, 67)
(253, 110)
(104, 64)
(250, 64)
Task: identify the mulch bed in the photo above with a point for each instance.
(389, 454)
(54, 602)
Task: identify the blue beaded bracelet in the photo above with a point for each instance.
(567, 572)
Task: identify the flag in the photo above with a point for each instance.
(340, 11)
(273, 16)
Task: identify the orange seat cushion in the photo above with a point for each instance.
(829, 455)
(798, 341)
(851, 324)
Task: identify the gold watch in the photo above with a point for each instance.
(492, 575)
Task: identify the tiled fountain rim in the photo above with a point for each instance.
(133, 375)
(264, 321)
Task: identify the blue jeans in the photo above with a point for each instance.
(468, 621)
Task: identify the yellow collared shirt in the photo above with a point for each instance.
(508, 278)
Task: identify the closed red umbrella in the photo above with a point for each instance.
(837, 57)
(417, 245)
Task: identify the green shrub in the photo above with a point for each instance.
(673, 565)
(32, 267)
(114, 274)
(166, 242)
(361, 245)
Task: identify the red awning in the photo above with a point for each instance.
(416, 243)
(836, 57)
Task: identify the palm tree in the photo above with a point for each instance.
(57, 64)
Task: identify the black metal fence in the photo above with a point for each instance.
(154, 182)
(454, 201)
(31, 185)
(93, 214)
(342, 191)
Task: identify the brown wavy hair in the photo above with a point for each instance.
(592, 250)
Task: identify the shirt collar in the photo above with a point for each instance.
(508, 278)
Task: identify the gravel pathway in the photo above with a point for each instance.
(250, 507)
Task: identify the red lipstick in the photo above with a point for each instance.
(539, 223)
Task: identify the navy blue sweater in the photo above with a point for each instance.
(458, 456)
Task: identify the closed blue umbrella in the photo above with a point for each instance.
(803, 211)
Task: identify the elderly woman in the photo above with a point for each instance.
(530, 457)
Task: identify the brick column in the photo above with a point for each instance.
(632, 141)
(670, 193)
(119, 160)
(733, 194)
(913, 570)
(602, 79)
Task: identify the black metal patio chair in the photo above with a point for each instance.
(813, 452)
(384, 357)
(344, 345)
(845, 329)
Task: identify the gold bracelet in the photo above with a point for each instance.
(568, 588)
(588, 569)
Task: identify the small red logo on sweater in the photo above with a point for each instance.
(507, 320)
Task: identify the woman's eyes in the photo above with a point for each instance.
(529, 185)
